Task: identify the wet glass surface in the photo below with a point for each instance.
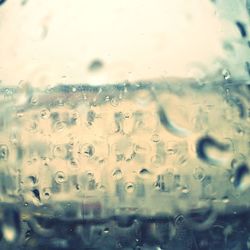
(141, 174)
(124, 125)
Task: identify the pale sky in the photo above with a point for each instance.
(47, 42)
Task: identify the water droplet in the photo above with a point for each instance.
(199, 174)
(95, 65)
(242, 178)
(102, 188)
(88, 150)
(74, 163)
(4, 152)
(59, 126)
(74, 118)
(232, 179)
(117, 174)
(225, 199)
(14, 139)
(2, 2)
(11, 227)
(242, 28)
(20, 114)
(45, 113)
(169, 125)
(36, 194)
(240, 131)
(234, 163)
(179, 220)
(107, 98)
(237, 161)
(206, 142)
(60, 177)
(226, 74)
(155, 138)
(34, 100)
(60, 151)
(9, 233)
(114, 102)
(91, 115)
(185, 190)
(130, 187)
(145, 173)
(33, 179)
(46, 193)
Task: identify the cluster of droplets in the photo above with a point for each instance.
(128, 162)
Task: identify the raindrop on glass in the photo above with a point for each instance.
(130, 187)
(60, 177)
(117, 174)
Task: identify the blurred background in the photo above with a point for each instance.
(47, 42)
